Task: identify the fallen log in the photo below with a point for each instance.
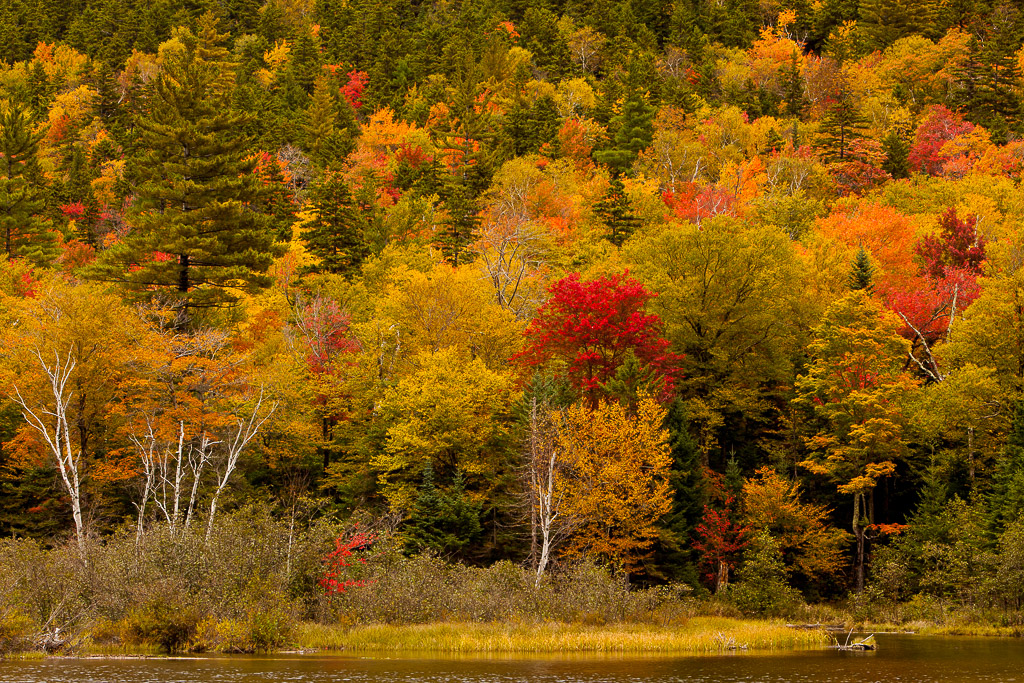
(867, 643)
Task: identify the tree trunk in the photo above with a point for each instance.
(859, 511)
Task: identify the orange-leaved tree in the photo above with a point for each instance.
(809, 545)
(854, 386)
(73, 354)
(615, 478)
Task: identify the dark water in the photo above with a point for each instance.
(902, 659)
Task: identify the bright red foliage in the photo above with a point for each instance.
(957, 246)
(340, 561)
(591, 326)
(940, 127)
(694, 203)
(946, 284)
(720, 541)
(325, 329)
(73, 210)
(353, 90)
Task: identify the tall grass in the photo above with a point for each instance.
(698, 635)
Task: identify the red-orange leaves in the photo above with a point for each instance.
(590, 326)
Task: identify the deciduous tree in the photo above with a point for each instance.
(855, 386)
(615, 480)
(589, 326)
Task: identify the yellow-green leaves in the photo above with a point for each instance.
(450, 411)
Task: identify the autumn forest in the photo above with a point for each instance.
(305, 304)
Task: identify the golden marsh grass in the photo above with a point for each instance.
(699, 635)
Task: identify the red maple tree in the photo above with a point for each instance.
(339, 563)
(719, 541)
(957, 246)
(591, 327)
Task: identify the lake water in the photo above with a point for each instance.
(899, 659)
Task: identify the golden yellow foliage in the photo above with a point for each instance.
(615, 479)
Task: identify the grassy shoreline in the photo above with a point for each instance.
(695, 636)
(699, 635)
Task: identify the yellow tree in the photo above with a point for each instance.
(729, 297)
(809, 545)
(614, 480)
(451, 412)
(70, 355)
(450, 308)
(855, 386)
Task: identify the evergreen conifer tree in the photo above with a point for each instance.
(634, 131)
(1007, 500)
(616, 213)
(197, 234)
(327, 129)
(991, 73)
(761, 586)
(841, 125)
(794, 95)
(442, 520)
(883, 22)
(677, 559)
(897, 154)
(23, 233)
(335, 234)
(303, 67)
(862, 272)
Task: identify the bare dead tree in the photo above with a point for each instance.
(549, 523)
(51, 422)
(245, 431)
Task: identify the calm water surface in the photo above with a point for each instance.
(902, 659)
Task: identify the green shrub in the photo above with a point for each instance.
(761, 588)
(161, 623)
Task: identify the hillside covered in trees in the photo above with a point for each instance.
(700, 291)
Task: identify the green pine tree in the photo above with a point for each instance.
(991, 74)
(897, 154)
(794, 95)
(841, 125)
(335, 234)
(1007, 499)
(883, 22)
(634, 131)
(327, 138)
(197, 236)
(23, 232)
(862, 272)
(616, 212)
(443, 520)
(676, 558)
(470, 145)
(303, 67)
(761, 586)
(632, 380)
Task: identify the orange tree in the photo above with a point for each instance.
(855, 385)
(614, 482)
(809, 545)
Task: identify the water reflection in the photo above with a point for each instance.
(902, 659)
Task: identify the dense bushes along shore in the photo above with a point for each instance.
(253, 586)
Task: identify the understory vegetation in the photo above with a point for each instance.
(252, 587)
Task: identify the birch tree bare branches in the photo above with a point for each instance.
(50, 420)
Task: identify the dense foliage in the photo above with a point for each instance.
(697, 291)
